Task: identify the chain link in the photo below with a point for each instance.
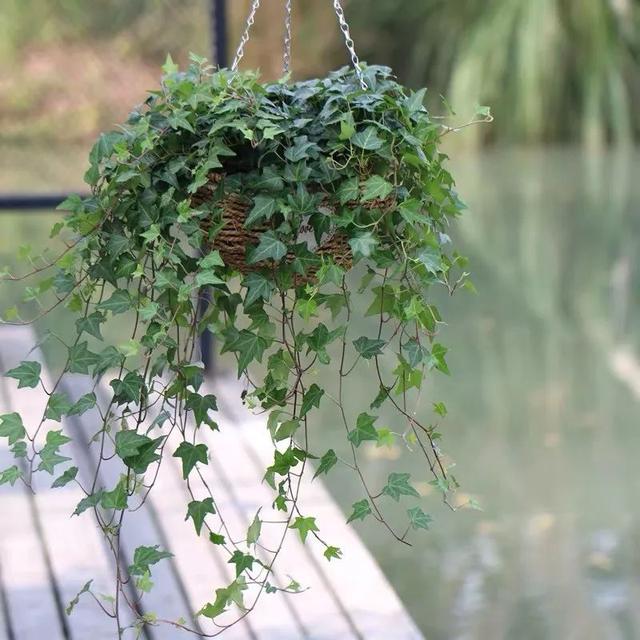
(251, 18)
(344, 27)
(286, 64)
(349, 42)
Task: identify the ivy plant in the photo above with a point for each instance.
(140, 253)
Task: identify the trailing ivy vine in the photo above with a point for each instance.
(321, 155)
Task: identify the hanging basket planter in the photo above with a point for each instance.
(314, 215)
(235, 238)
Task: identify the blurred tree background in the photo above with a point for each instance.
(552, 70)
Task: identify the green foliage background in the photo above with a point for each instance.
(553, 70)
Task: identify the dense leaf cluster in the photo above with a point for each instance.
(323, 154)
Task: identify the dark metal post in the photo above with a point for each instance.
(219, 32)
(220, 59)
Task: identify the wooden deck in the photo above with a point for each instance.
(46, 556)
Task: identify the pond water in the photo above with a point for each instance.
(543, 410)
(543, 406)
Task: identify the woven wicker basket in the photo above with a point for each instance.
(234, 238)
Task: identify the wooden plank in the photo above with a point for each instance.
(357, 581)
(194, 559)
(27, 582)
(30, 598)
(168, 598)
(272, 616)
(315, 609)
(200, 564)
(4, 622)
(76, 549)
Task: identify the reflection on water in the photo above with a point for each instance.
(543, 407)
(543, 410)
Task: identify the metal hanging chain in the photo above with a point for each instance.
(344, 27)
(349, 43)
(286, 63)
(251, 18)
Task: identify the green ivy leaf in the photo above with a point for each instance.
(149, 311)
(214, 609)
(145, 557)
(254, 530)
(311, 399)
(332, 552)
(440, 408)
(117, 498)
(263, 208)
(109, 358)
(385, 438)
(347, 126)
(415, 101)
(68, 476)
(431, 259)
(407, 377)
(11, 427)
(327, 462)
(169, 67)
(330, 272)
(304, 526)
(91, 325)
(74, 602)
(376, 188)
(300, 149)
(198, 510)
(190, 455)
(10, 476)
(418, 519)
(364, 430)
(259, 287)
(243, 561)
(119, 302)
(269, 248)
(128, 389)
(49, 456)
(19, 449)
(368, 347)
(411, 211)
(208, 277)
(88, 503)
(58, 406)
(250, 348)
(211, 260)
(398, 485)
(83, 404)
(216, 538)
(363, 244)
(349, 190)
(224, 597)
(416, 353)
(81, 359)
(306, 308)
(137, 451)
(361, 510)
(145, 584)
(286, 430)
(437, 360)
(27, 374)
(367, 139)
(201, 406)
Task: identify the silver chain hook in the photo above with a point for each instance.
(251, 18)
(349, 42)
(286, 63)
